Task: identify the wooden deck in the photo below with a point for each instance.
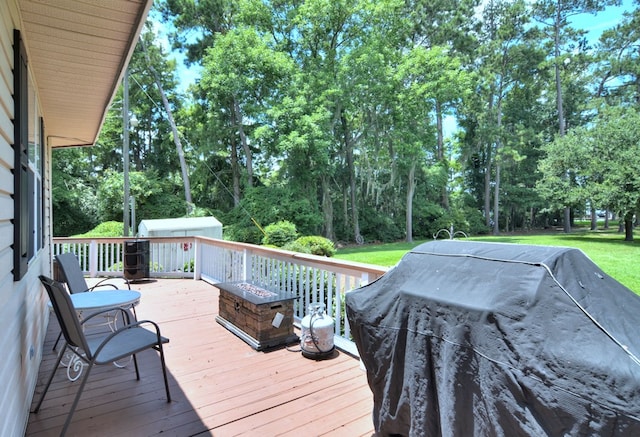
(219, 385)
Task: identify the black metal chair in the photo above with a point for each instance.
(72, 272)
(76, 283)
(106, 348)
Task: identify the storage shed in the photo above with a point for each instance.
(181, 227)
(178, 256)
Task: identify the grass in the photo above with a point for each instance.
(618, 258)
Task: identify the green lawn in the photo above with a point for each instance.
(607, 249)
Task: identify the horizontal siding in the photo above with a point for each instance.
(10, 304)
(23, 312)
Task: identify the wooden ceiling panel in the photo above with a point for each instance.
(78, 50)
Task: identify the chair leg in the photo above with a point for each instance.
(135, 363)
(55, 345)
(76, 400)
(164, 372)
(53, 372)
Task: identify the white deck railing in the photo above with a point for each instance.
(311, 278)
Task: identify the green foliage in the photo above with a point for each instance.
(596, 164)
(105, 229)
(280, 233)
(73, 195)
(317, 245)
(154, 197)
(271, 204)
(380, 227)
(295, 246)
(244, 233)
(188, 266)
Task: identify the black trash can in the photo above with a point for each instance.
(136, 259)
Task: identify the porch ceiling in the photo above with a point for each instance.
(77, 52)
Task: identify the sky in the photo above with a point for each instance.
(603, 20)
(595, 24)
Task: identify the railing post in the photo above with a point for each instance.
(246, 265)
(197, 256)
(364, 279)
(93, 259)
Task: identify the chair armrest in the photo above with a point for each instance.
(100, 284)
(138, 324)
(124, 311)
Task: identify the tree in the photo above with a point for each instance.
(553, 15)
(507, 72)
(151, 146)
(618, 70)
(430, 77)
(602, 159)
(242, 73)
(73, 192)
(616, 136)
(167, 107)
(155, 197)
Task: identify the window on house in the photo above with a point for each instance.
(28, 146)
(36, 148)
(21, 160)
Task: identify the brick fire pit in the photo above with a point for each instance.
(261, 317)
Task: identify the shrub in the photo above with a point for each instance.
(244, 233)
(317, 245)
(294, 246)
(106, 229)
(280, 233)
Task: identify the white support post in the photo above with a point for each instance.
(246, 264)
(197, 256)
(93, 259)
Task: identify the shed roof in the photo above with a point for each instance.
(183, 223)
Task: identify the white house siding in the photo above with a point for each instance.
(23, 311)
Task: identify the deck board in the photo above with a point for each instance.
(219, 385)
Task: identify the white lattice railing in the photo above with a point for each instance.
(311, 278)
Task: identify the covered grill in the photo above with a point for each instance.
(484, 339)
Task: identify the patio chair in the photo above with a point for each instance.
(70, 268)
(76, 283)
(99, 349)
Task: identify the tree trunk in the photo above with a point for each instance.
(327, 209)
(440, 154)
(628, 226)
(174, 128)
(345, 208)
(594, 219)
(487, 174)
(496, 194)
(487, 189)
(567, 220)
(559, 101)
(235, 172)
(496, 203)
(352, 179)
(411, 188)
(243, 142)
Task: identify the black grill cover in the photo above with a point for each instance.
(484, 339)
